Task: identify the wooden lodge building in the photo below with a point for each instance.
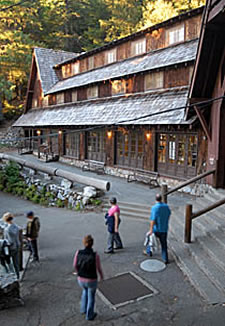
(124, 104)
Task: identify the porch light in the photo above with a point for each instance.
(109, 134)
(38, 132)
(60, 132)
(148, 135)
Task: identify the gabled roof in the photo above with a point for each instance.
(116, 110)
(45, 60)
(177, 54)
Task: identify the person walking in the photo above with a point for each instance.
(11, 235)
(32, 233)
(87, 264)
(159, 222)
(113, 222)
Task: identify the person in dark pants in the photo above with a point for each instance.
(11, 235)
(32, 233)
(113, 222)
(87, 264)
(159, 222)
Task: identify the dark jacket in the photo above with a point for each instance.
(33, 228)
(110, 222)
(86, 263)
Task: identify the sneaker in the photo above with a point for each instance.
(109, 252)
(95, 314)
(118, 248)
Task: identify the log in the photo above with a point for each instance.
(97, 183)
(39, 167)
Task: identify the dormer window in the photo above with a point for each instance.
(60, 98)
(75, 68)
(91, 63)
(66, 71)
(92, 92)
(111, 56)
(74, 95)
(175, 34)
(154, 80)
(138, 47)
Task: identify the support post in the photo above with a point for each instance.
(21, 250)
(188, 223)
(164, 190)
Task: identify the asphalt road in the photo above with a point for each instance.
(51, 293)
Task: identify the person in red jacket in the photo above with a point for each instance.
(87, 264)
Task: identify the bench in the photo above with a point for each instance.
(24, 148)
(144, 176)
(94, 166)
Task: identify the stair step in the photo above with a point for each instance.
(196, 276)
(130, 205)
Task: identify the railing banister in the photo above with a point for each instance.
(209, 208)
(198, 177)
(188, 224)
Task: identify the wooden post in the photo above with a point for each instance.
(164, 190)
(21, 250)
(188, 223)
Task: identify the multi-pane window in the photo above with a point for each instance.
(90, 63)
(92, 92)
(181, 150)
(75, 68)
(72, 144)
(162, 148)
(96, 146)
(110, 56)
(45, 100)
(172, 148)
(138, 47)
(175, 34)
(154, 80)
(66, 71)
(192, 151)
(118, 86)
(59, 98)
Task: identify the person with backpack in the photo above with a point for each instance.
(88, 266)
(11, 235)
(32, 233)
(5, 255)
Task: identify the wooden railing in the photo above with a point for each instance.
(189, 215)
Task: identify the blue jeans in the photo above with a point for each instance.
(163, 241)
(114, 237)
(88, 298)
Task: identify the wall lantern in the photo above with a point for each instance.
(148, 135)
(38, 132)
(60, 132)
(109, 134)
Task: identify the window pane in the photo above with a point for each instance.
(192, 150)
(162, 148)
(154, 80)
(172, 148)
(118, 87)
(181, 150)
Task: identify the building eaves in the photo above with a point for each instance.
(177, 54)
(107, 46)
(46, 59)
(133, 109)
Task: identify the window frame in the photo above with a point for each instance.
(152, 74)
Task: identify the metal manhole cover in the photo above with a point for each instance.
(152, 265)
(123, 289)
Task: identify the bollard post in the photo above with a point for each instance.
(21, 250)
(164, 190)
(188, 223)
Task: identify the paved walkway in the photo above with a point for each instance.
(127, 192)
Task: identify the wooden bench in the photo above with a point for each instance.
(94, 166)
(24, 148)
(145, 176)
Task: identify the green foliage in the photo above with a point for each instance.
(95, 202)
(60, 203)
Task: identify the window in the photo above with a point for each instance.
(181, 150)
(96, 146)
(75, 68)
(191, 69)
(175, 34)
(138, 47)
(110, 56)
(72, 144)
(74, 96)
(92, 92)
(59, 98)
(91, 63)
(154, 80)
(192, 151)
(172, 148)
(66, 71)
(34, 103)
(118, 86)
(162, 148)
(45, 100)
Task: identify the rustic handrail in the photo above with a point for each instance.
(189, 216)
(165, 192)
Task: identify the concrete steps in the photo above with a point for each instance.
(132, 210)
(202, 261)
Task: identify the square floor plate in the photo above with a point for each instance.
(123, 289)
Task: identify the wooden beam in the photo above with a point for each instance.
(203, 122)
